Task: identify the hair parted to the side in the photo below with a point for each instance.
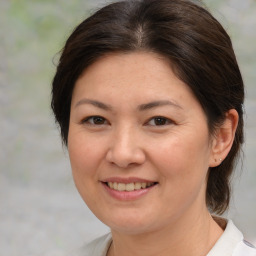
(198, 48)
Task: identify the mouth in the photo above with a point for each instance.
(133, 186)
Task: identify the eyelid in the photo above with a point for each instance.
(86, 120)
(168, 120)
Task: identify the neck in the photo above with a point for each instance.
(189, 235)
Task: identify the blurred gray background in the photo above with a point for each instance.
(40, 209)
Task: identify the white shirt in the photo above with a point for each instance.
(231, 243)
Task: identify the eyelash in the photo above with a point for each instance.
(163, 121)
(166, 121)
(87, 120)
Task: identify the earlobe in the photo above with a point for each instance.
(224, 137)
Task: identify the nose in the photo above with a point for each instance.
(125, 149)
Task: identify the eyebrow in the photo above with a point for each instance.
(142, 107)
(95, 103)
(158, 103)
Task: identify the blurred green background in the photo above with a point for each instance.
(40, 209)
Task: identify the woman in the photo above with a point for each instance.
(149, 99)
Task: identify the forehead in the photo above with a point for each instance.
(133, 79)
(137, 64)
(136, 70)
(128, 83)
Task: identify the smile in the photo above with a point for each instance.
(127, 189)
(129, 186)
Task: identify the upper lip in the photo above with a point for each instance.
(127, 180)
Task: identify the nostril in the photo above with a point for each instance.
(125, 155)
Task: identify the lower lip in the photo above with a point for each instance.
(127, 195)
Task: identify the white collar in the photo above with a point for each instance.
(227, 242)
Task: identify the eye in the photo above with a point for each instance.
(95, 120)
(159, 121)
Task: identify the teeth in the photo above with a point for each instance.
(111, 184)
(121, 187)
(129, 186)
(137, 185)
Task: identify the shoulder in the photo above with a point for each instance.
(231, 242)
(97, 247)
(244, 248)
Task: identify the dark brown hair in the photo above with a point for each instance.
(198, 48)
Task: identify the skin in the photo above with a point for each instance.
(128, 141)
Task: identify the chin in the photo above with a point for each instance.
(132, 224)
(135, 229)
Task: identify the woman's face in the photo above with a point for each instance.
(138, 142)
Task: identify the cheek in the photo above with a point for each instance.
(183, 174)
(84, 159)
(183, 160)
(83, 155)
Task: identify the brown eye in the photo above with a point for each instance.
(159, 121)
(98, 120)
(95, 120)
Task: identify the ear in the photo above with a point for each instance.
(223, 138)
